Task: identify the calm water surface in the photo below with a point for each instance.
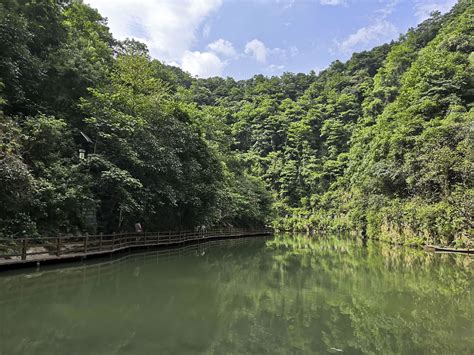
(285, 295)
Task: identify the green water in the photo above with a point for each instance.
(286, 295)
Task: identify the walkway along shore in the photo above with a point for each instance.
(29, 252)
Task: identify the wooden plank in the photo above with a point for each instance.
(435, 248)
(23, 249)
(58, 247)
(86, 241)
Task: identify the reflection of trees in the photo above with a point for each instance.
(290, 294)
(151, 302)
(316, 294)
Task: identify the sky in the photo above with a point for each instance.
(241, 38)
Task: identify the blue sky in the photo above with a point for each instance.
(240, 38)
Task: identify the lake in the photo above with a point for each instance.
(289, 294)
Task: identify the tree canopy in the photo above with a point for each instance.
(381, 145)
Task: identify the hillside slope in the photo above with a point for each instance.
(381, 145)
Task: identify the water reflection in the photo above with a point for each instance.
(289, 294)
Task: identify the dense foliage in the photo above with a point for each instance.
(381, 145)
(67, 85)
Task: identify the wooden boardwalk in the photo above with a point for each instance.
(17, 289)
(27, 251)
(438, 249)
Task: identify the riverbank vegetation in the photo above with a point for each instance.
(381, 145)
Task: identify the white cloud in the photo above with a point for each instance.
(332, 2)
(202, 64)
(206, 30)
(423, 8)
(257, 49)
(294, 51)
(274, 68)
(368, 36)
(168, 27)
(287, 4)
(221, 46)
(278, 54)
(387, 10)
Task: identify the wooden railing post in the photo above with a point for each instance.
(58, 247)
(23, 248)
(86, 240)
(113, 241)
(100, 241)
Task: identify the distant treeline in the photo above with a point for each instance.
(95, 135)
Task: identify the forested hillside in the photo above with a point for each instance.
(381, 145)
(68, 85)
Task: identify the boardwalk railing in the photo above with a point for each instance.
(14, 289)
(13, 251)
